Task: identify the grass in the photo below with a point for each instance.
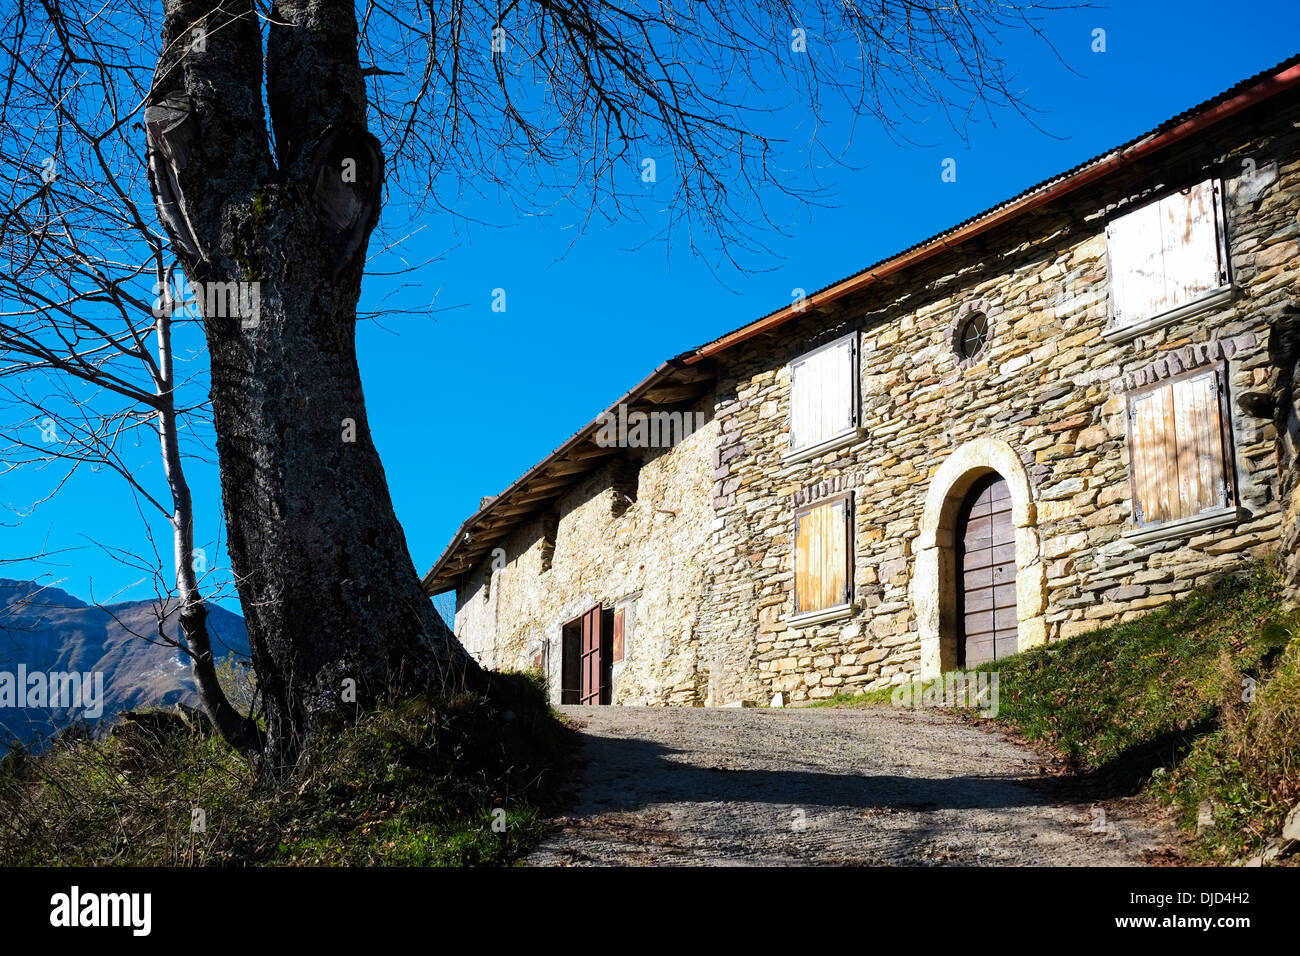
(1245, 773)
(423, 782)
(1157, 703)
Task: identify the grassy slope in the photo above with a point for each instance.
(419, 783)
(1157, 702)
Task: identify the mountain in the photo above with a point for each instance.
(45, 631)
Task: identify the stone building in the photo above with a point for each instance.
(1061, 413)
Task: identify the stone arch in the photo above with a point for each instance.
(934, 581)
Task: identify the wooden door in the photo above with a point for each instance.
(987, 587)
(592, 667)
(571, 662)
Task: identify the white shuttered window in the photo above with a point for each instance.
(823, 394)
(1166, 254)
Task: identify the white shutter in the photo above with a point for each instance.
(1190, 240)
(1164, 254)
(1137, 281)
(822, 395)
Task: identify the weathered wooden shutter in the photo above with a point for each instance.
(617, 654)
(1165, 254)
(1177, 460)
(1189, 235)
(1202, 485)
(1137, 281)
(1153, 459)
(822, 556)
(593, 668)
(822, 395)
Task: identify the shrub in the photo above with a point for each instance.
(429, 780)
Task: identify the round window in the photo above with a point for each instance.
(973, 335)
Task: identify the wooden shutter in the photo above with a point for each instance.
(1165, 254)
(822, 395)
(617, 654)
(1176, 451)
(592, 667)
(821, 559)
(1136, 269)
(1189, 235)
(1199, 439)
(1153, 460)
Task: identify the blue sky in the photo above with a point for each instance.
(463, 402)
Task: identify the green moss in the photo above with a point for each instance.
(879, 697)
(260, 210)
(249, 236)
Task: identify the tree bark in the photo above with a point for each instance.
(240, 731)
(1284, 351)
(335, 611)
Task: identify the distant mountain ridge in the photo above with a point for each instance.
(46, 629)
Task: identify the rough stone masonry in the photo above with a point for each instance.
(692, 547)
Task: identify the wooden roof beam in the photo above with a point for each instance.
(672, 394)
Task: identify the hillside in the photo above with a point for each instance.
(1195, 705)
(47, 629)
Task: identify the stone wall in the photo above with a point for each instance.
(646, 556)
(1046, 395)
(703, 558)
(1284, 405)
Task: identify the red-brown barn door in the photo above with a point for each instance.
(592, 667)
(987, 587)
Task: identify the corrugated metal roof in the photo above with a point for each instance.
(434, 580)
(1046, 184)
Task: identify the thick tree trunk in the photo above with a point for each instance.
(334, 607)
(335, 611)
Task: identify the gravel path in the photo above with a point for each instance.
(666, 786)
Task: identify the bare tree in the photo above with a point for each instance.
(88, 315)
(68, 425)
(423, 100)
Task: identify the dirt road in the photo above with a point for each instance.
(822, 786)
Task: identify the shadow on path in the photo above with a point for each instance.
(628, 774)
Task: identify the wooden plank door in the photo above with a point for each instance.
(592, 667)
(571, 662)
(987, 586)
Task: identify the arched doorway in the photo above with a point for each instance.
(937, 579)
(986, 580)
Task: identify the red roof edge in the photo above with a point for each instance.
(1285, 78)
(1250, 92)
